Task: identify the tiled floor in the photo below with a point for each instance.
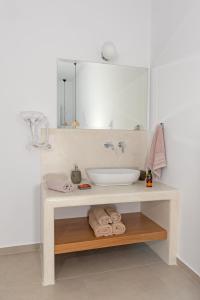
(129, 272)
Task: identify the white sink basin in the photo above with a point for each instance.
(112, 176)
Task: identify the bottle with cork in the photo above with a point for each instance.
(149, 179)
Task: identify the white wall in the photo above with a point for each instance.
(176, 102)
(33, 35)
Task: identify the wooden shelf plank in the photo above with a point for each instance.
(72, 235)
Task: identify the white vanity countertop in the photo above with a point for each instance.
(136, 192)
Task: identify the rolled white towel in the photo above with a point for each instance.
(100, 214)
(113, 213)
(59, 182)
(99, 230)
(118, 228)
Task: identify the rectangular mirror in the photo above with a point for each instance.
(101, 96)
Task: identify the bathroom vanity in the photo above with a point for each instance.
(110, 105)
(155, 224)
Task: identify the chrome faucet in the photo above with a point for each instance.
(109, 145)
(122, 146)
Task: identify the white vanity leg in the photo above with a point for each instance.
(48, 257)
(173, 230)
(164, 213)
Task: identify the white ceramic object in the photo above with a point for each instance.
(112, 176)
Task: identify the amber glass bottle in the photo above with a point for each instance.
(149, 179)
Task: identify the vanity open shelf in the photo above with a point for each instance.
(72, 235)
(155, 223)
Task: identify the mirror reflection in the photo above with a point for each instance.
(101, 96)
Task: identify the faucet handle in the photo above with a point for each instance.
(122, 146)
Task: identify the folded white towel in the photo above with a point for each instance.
(59, 182)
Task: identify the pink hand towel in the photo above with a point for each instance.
(157, 156)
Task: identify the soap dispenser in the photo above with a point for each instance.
(76, 175)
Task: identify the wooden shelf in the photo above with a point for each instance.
(72, 235)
